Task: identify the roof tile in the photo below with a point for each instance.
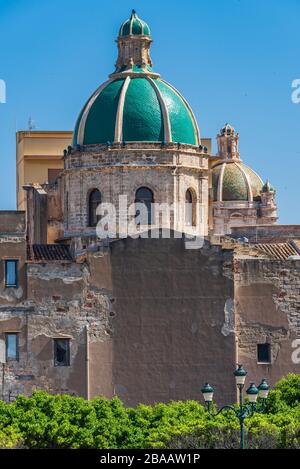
(48, 252)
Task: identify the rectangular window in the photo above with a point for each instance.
(12, 346)
(11, 273)
(61, 352)
(264, 353)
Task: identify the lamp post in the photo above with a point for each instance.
(245, 409)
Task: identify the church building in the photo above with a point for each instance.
(148, 317)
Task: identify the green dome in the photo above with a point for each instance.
(134, 26)
(234, 181)
(136, 109)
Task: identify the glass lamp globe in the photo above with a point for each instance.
(240, 375)
(252, 393)
(208, 392)
(263, 389)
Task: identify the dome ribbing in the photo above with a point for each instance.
(136, 109)
(135, 104)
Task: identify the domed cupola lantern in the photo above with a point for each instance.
(133, 47)
(134, 27)
(228, 143)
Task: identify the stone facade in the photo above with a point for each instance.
(13, 246)
(134, 331)
(146, 318)
(149, 320)
(268, 311)
(117, 171)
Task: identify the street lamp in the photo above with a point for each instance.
(263, 390)
(245, 409)
(252, 393)
(240, 375)
(208, 394)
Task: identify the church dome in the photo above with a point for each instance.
(135, 104)
(134, 26)
(234, 181)
(134, 109)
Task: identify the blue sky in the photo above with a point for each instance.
(233, 61)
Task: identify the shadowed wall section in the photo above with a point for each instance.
(171, 329)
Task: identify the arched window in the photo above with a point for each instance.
(236, 219)
(190, 208)
(145, 196)
(94, 201)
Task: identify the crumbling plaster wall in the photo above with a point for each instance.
(173, 327)
(60, 304)
(12, 246)
(55, 210)
(267, 302)
(161, 321)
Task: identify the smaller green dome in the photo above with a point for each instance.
(134, 26)
(234, 181)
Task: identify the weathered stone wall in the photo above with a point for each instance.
(226, 215)
(268, 233)
(55, 210)
(12, 221)
(267, 298)
(173, 327)
(37, 214)
(168, 172)
(12, 246)
(60, 304)
(150, 320)
(157, 314)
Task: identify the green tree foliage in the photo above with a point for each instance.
(63, 421)
(285, 394)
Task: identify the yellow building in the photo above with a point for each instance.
(39, 158)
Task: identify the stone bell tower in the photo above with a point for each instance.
(268, 209)
(228, 143)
